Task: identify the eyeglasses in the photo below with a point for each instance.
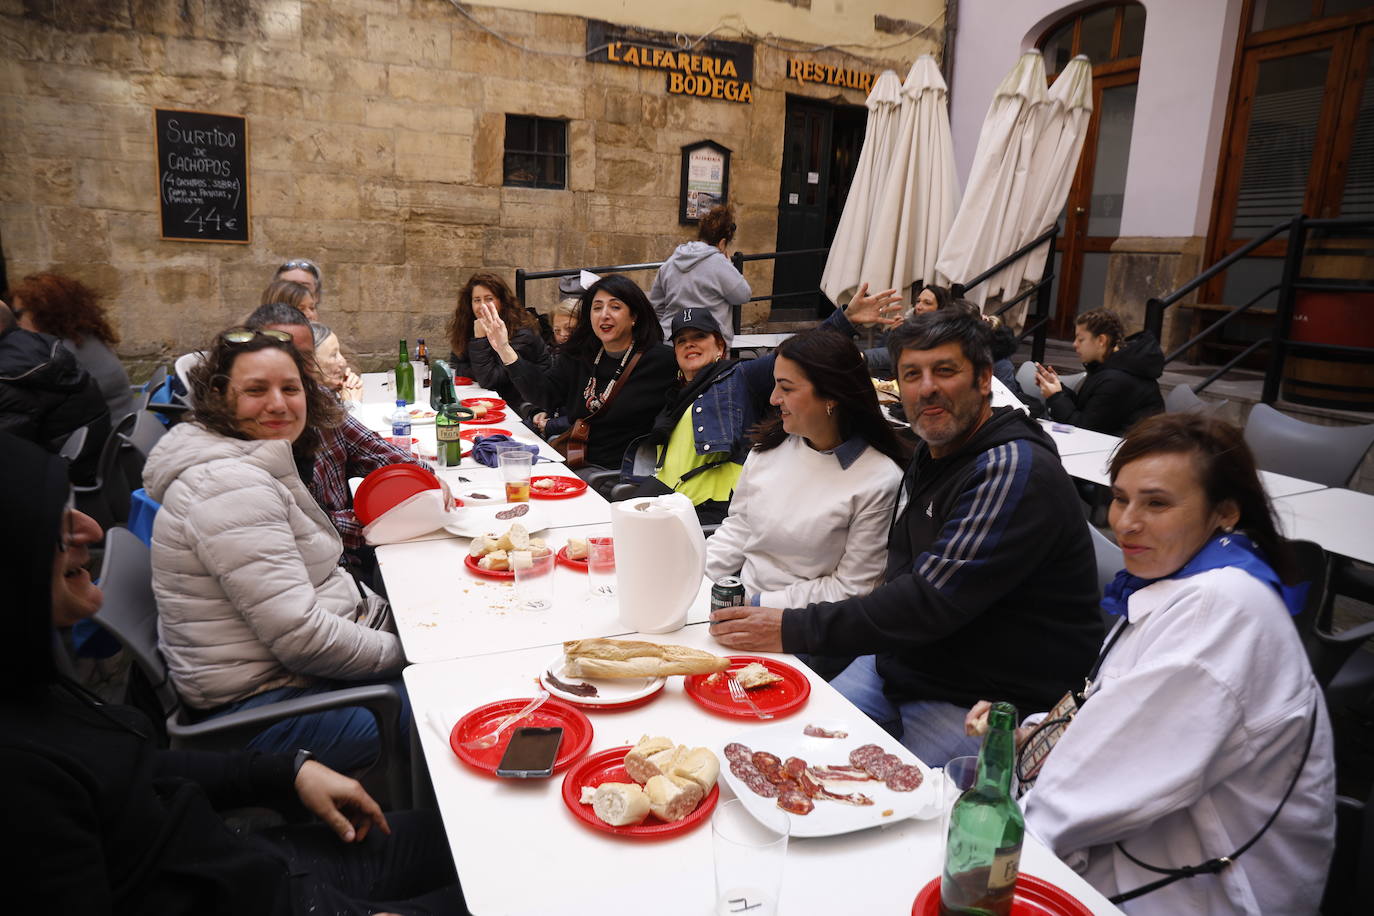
(240, 336)
(300, 264)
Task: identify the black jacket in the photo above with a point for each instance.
(1118, 391)
(483, 365)
(561, 388)
(45, 395)
(991, 583)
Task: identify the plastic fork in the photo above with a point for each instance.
(740, 695)
(494, 735)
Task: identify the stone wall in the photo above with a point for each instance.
(1143, 268)
(376, 130)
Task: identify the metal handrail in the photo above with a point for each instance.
(1180, 350)
(957, 290)
(1038, 321)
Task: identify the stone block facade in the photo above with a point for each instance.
(376, 137)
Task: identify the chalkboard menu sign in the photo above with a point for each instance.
(202, 175)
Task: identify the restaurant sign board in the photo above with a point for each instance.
(711, 69)
(810, 71)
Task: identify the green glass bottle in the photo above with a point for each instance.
(447, 426)
(405, 376)
(983, 852)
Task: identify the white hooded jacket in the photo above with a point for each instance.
(246, 571)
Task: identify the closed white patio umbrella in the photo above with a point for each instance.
(1054, 161)
(920, 195)
(842, 266)
(997, 193)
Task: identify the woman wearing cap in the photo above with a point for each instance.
(699, 275)
(473, 355)
(253, 606)
(614, 372)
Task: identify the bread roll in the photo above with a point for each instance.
(671, 798)
(520, 559)
(614, 658)
(517, 537)
(755, 675)
(638, 761)
(700, 766)
(496, 560)
(482, 545)
(577, 548)
(620, 803)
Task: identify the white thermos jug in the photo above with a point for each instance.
(660, 557)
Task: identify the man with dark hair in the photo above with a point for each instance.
(991, 584)
(45, 395)
(349, 450)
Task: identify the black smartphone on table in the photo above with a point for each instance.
(531, 752)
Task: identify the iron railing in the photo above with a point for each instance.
(1037, 322)
(1290, 284)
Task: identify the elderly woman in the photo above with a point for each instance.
(613, 374)
(1122, 384)
(812, 507)
(252, 604)
(1202, 713)
(71, 311)
(334, 370)
(473, 354)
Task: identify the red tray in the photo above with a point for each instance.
(781, 699)
(471, 563)
(471, 435)
(563, 487)
(1034, 897)
(461, 380)
(608, 766)
(493, 416)
(389, 486)
(490, 404)
(577, 732)
(563, 559)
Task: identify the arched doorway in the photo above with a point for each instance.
(1112, 36)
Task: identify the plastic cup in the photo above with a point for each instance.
(601, 566)
(750, 853)
(515, 464)
(534, 583)
(960, 773)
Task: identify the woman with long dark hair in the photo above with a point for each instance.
(1202, 720)
(472, 353)
(614, 372)
(812, 507)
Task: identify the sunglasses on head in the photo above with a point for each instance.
(240, 336)
(300, 264)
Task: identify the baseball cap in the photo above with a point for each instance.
(699, 319)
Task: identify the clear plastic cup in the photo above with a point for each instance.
(534, 582)
(516, 464)
(750, 852)
(601, 566)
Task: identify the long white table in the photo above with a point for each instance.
(1341, 521)
(1093, 466)
(518, 850)
(1073, 440)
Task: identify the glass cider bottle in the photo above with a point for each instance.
(405, 376)
(983, 850)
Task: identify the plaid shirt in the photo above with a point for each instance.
(352, 450)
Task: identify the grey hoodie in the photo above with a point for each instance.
(698, 275)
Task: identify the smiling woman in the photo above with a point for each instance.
(252, 603)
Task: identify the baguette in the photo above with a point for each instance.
(700, 766)
(620, 804)
(642, 762)
(671, 798)
(612, 658)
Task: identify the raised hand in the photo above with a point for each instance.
(876, 309)
(497, 333)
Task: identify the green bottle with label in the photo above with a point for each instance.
(405, 376)
(447, 430)
(983, 852)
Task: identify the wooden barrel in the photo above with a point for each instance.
(1344, 381)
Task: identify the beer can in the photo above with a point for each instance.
(727, 591)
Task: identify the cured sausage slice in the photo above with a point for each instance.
(882, 767)
(761, 786)
(744, 769)
(794, 767)
(905, 778)
(795, 802)
(766, 761)
(736, 751)
(860, 755)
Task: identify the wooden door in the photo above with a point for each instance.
(803, 205)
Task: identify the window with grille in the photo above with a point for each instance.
(536, 152)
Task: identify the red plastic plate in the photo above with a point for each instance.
(563, 487)
(781, 699)
(577, 732)
(461, 380)
(608, 766)
(471, 434)
(563, 559)
(493, 416)
(389, 486)
(471, 563)
(489, 403)
(1034, 897)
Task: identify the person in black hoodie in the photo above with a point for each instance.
(1122, 385)
(105, 822)
(991, 582)
(45, 395)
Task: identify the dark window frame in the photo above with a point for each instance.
(542, 157)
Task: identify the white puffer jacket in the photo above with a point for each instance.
(250, 594)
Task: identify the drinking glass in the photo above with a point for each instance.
(601, 566)
(960, 773)
(750, 851)
(515, 466)
(534, 582)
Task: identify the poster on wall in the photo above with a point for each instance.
(705, 179)
(202, 175)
